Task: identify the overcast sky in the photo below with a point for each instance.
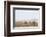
(27, 14)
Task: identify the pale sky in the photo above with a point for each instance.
(27, 14)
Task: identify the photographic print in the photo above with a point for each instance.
(24, 18)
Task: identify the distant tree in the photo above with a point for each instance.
(25, 22)
(34, 23)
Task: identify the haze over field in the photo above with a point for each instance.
(27, 14)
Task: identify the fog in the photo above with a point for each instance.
(27, 14)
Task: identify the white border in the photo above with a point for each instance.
(39, 28)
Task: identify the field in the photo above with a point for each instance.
(26, 23)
